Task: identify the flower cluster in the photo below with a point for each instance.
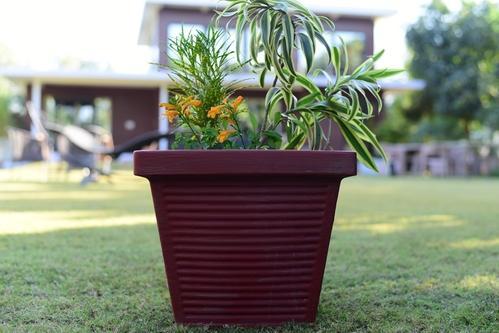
(210, 125)
(182, 107)
(229, 108)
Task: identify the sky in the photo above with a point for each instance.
(41, 33)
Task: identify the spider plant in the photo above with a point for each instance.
(278, 30)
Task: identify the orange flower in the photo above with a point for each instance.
(185, 101)
(196, 103)
(167, 106)
(237, 102)
(171, 115)
(224, 135)
(214, 111)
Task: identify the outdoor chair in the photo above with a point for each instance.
(82, 149)
(85, 147)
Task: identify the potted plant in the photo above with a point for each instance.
(245, 216)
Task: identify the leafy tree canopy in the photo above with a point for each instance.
(457, 54)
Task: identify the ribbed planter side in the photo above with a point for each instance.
(244, 241)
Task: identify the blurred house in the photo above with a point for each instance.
(127, 104)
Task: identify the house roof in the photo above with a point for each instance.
(156, 79)
(85, 78)
(148, 34)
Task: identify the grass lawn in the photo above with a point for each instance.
(407, 255)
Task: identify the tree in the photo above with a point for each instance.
(5, 60)
(457, 56)
(489, 83)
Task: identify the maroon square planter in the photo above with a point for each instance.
(244, 233)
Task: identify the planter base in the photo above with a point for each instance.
(244, 249)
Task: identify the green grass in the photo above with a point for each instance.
(407, 255)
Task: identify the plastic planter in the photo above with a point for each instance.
(244, 234)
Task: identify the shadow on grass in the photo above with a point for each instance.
(112, 279)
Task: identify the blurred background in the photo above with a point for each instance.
(79, 91)
(79, 80)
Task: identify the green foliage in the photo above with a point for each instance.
(438, 128)
(395, 127)
(4, 107)
(489, 74)
(4, 115)
(280, 28)
(458, 57)
(200, 65)
(276, 27)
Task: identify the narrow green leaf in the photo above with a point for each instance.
(328, 23)
(274, 95)
(310, 32)
(265, 28)
(308, 84)
(289, 33)
(240, 23)
(355, 104)
(372, 139)
(278, 68)
(253, 121)
(287, 98)
(262, 78)
(295, 140)
(357, 145)
(254, 42)
(345, 55)
(307, 49)
(273, 134)
(382, 73)
(288, 60)
(317, 133)
(323, 41)
(378, 55)
(365, 66)
(306, 100)
(277, 117)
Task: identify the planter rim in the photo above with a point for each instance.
(148, 163)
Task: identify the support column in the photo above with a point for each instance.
(36, 104)
(162, 121)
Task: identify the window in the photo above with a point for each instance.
(355, 43)
(175, 29)
(103, 107)
(97, 111)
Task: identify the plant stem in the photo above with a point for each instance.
(239, 131)
(193, 132)
(266, 118)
